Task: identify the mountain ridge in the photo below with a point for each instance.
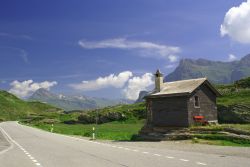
(73, 102)
(216, 71)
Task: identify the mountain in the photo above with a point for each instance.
(142, 94)
(13, 108)
(73, 102)
(215, 71)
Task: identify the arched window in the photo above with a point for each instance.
(196, 101)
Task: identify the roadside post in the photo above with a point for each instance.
(52, 128)
(93, 133)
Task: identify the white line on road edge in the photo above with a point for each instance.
(200, 163)
(169, 157)
(157, 155)
(145, 152)
(6, 137)
(185, 160)
(106, 144)
(20, 147)
(113, 146)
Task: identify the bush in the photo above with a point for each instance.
(233, 114)
(1, 119)
(86, 119)
(70, 122)
(243, 83)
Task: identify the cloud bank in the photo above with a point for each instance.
(130, 85)
(147, 49)
(137, 84)
(116, 81)
(237, 23)
(26, 88)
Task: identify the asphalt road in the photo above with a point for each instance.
(29, 147)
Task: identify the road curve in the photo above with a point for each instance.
(30, 147)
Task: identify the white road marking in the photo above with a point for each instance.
(79, 139)
(20, 147)
(157, 155)
(185, 160)
(6, 136)
(200, 163)
(169, 157)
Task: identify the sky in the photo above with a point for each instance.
(111, 48)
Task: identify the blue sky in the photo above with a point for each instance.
(67, 42)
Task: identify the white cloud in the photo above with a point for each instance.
(137, 84)
(26, 88)
(117, 81)
(231, 57)
(237, 23)
(148, 49)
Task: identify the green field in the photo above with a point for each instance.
(110, 131)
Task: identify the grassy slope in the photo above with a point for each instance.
(13, 108)
(117, 130)
(237, 93)
(111, 131)
(124, 130)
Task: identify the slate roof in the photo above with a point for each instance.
(182, 87)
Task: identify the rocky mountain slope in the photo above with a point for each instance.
(215, 71)
(73, 102)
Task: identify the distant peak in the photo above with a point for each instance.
(246, 57)
(42, 92)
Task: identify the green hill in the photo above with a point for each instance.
(13, 108)
(234, 105)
